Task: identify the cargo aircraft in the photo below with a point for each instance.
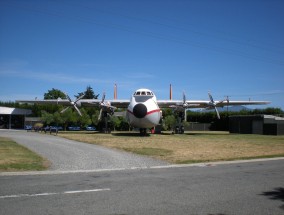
(143, 110)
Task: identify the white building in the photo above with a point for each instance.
(13, 117)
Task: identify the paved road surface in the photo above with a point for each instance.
(68, 155)
(228, 189)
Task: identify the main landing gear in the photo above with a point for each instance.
(179, 129)
(104, 116)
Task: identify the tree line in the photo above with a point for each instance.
(50, 114)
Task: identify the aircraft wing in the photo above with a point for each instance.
(206, 104)
(83, 102)
(118, 103)
(64, 102)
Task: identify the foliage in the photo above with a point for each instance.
(46, 117)
(88, 94)
(208, 117)
(69, 117)
(85, 119)
(115, 121)
(169, 122)
(50, 114)
(54, 94)
(95, 117)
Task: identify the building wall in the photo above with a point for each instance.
(12, 121)
(256, 124)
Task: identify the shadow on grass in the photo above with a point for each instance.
(164, 133)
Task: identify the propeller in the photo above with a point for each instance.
(185, 105)
(180, 107)
(105, 107)
(73, 103)
(212, 104)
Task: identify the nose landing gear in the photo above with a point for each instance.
(143, 132)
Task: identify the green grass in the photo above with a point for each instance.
(14, 157)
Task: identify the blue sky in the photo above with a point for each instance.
(228, 47)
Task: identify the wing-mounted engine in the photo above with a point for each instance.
(75, 104)
(213, 105)
(179, 110)
(106, 109)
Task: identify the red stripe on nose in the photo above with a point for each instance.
(153, 111)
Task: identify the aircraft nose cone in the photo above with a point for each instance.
(140, 110)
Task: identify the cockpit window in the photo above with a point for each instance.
(143, 93)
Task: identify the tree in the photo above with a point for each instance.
(46, 117)
(95, 117)
(169, 122)
(54, 94)
(85, 119)
(115, 121)
(69, 116)
(57, 118)
(88, 94)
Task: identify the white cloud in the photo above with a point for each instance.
(52, 77)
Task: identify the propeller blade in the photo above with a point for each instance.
(217, 112)
(185, 105)
(74, 104)
(100, 115)
(210, 97)
(80, 98)
(103, 98)
(68, 97)
(213, 104)
(77, 109)
(65, 109)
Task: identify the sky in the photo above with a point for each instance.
(231, 48)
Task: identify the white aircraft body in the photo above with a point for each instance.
(143, 108)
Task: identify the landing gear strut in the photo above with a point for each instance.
(179, 129)
(143, 131)
(106, 129)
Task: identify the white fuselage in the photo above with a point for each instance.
(143, 110)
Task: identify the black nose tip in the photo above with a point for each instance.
(140, 110)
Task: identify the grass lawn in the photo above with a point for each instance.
(190, 147)
(14, 157)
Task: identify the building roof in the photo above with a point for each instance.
(14, 111)
(273, 117)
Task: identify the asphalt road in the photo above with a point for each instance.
(66, 155)
(89, 179)
(221, 189)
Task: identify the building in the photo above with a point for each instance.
(257, 124)
(13, 118)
